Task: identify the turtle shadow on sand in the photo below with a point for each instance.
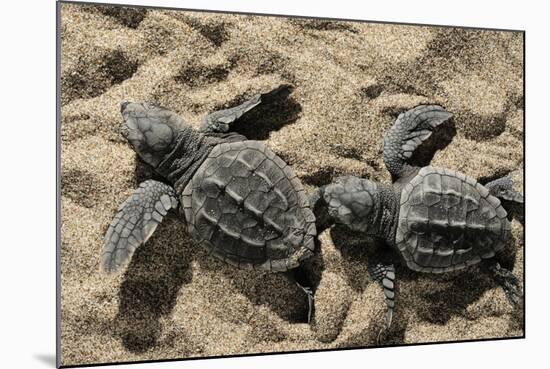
(277, 291)
(160, 268)
(143, 172)
(461, 289)
(157, 271)
(439, 140)
(278, 110)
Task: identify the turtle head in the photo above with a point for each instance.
(353, 202)
(150, 129)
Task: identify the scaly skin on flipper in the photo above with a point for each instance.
(385, 274)
(410, 129)
(136, 220)
(221, 120)
(504, 188)
(506, 279)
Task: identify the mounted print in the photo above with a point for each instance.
(240, 184)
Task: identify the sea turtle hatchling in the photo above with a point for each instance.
(237, 198)
(438, 220)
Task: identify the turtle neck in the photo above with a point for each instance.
(190, 151)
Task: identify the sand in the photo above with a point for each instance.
(351, 81)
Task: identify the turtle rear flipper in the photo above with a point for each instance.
(506, 280)
(136, 220)
(503, 188)
(221, 120)
(409, 130)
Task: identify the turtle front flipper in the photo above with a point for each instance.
(385, 274)
(409, 130)
(503, 187)
(136, 220)
(221, 120)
